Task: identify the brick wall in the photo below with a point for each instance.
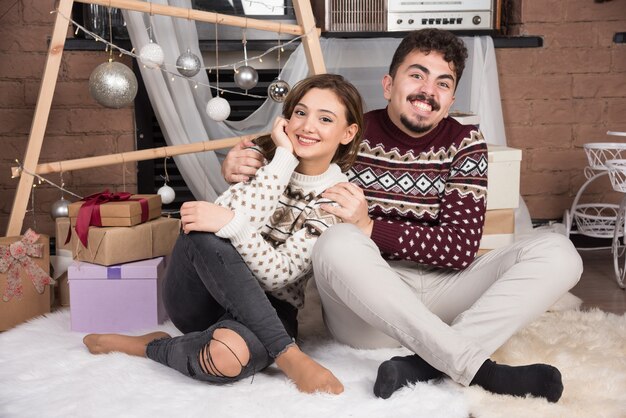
(554, 98)
(77, 127)
(563, 95)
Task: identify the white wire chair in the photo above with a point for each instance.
(596, 220)
(617, 174)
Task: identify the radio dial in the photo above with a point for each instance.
(476, 20)
(399, 21)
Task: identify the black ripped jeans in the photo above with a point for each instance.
(209, 286)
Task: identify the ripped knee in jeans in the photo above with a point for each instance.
(225, 355)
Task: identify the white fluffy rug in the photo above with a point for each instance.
(45, 371)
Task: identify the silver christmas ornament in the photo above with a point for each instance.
(151, 55)
(60, 209)
(278, 90)
(113, 84)
(167, 194)
(188, 64)
(218, 109)
(246, 77)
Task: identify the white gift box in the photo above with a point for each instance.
(503, 177)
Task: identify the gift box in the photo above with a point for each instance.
(116, 245)
(62, 290)
(112, 209)
(62, 229)
(503, 177)
(499, 229)
(124, 211)
(24, 278)
(120, 298)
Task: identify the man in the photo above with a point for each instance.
(402, 267)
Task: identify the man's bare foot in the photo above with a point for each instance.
(308, 375)
(133, 345)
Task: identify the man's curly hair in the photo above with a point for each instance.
(427, 41)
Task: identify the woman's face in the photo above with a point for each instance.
(316, 128)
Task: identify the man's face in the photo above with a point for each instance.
(421, 93)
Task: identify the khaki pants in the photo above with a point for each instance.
(452, 319)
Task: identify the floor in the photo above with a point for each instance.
(597, 286)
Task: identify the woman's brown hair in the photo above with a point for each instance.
(347, 94)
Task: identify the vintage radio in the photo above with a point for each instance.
(407, 15)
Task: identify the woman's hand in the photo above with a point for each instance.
(279, 136)
(241, 163)
(352, 206)
(204, 216)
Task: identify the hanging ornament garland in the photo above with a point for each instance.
(188, 64)
(113, 96)
(246, 77)
(278, 89)
(166, 192)
(217, 108)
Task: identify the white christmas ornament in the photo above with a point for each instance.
(218, 109)
(151, 55)
(167, 194)
(188, 64)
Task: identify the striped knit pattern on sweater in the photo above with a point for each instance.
(427, 195)
(277, 221)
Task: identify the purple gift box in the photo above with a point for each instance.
(119, 298)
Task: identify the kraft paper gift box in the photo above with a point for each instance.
(120, 298)
(62, 290)
(112, 209)
(499, 229)
(122, 212)
(27, 259)
(503, 177)
(116, 245)
(62, 228)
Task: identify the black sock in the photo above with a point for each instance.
(401, 371)
(539, 380)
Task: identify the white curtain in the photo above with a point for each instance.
(180, 109)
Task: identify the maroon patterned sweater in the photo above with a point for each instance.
(427, 196)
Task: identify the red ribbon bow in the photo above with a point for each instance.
(89, 212)
(19, 254)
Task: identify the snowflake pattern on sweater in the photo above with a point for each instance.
(277, 221)
(427, 195)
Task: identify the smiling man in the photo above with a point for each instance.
(402, 269)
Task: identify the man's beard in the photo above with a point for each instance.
(418, 127)
(415, 127)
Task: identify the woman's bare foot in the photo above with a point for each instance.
(308, 375)
(133, 345)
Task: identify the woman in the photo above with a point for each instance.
(238, 272)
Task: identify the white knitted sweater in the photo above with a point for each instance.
(277, 221)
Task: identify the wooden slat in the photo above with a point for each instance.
(311, 43)
(140, 155)
(200, 15)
